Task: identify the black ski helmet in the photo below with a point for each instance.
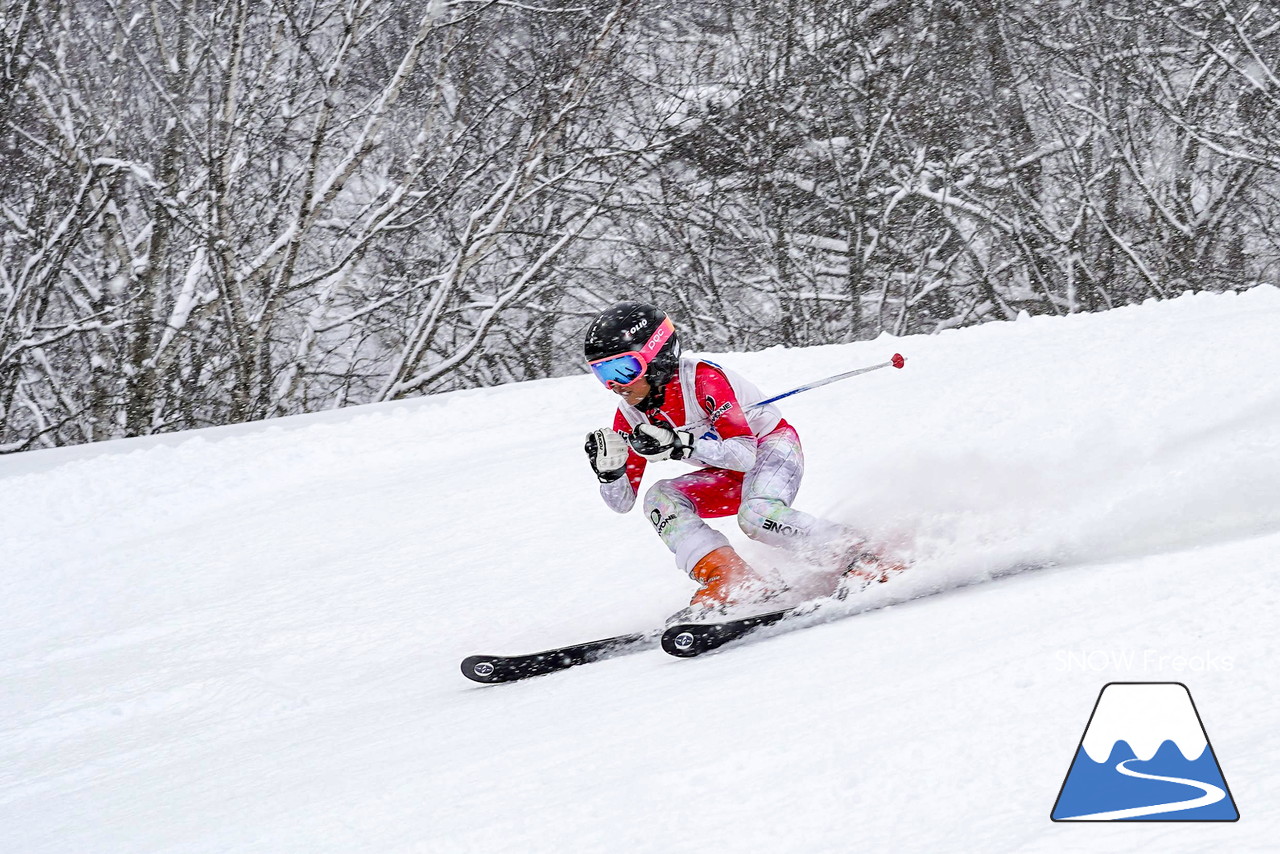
(626, 327)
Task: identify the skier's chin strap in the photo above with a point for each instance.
(656, 396)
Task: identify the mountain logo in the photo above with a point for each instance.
(1144, 756)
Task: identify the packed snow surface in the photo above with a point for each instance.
(247, 639)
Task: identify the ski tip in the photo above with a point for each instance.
(480, 668)
(681, 641)
(898, 360)
(686, 640)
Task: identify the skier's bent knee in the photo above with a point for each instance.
(661, 496)
(757, 516)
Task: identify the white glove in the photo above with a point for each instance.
(607, 451)
(654, 442)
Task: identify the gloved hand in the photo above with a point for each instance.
(607, 451)
(654, 442)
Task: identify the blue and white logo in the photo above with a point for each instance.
(1145, 757)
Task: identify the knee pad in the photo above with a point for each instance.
(765, 519)
(662, 498)
(673, 516)
(663, 505)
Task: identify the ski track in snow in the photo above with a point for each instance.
(247, 638)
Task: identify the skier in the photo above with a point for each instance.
(751, 463)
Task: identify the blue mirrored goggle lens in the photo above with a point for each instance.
(620, 369)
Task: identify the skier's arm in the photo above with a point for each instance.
(729, 444)
(620, 492)
(735, 454)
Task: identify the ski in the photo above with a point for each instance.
(685, 640)
(491, 669)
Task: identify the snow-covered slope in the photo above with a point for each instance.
(248, 639)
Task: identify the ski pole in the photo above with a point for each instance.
(897, 361)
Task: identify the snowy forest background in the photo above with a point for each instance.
(214, 211)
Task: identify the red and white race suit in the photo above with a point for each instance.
(750, 464)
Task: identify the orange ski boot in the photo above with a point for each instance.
(726, 580)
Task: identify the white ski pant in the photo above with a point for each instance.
(761, 498)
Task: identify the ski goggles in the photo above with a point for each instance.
(626, 368)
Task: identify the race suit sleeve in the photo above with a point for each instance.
(728, 442)
(621, 494)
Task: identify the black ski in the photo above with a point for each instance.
(510, 668)
(685, 640)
